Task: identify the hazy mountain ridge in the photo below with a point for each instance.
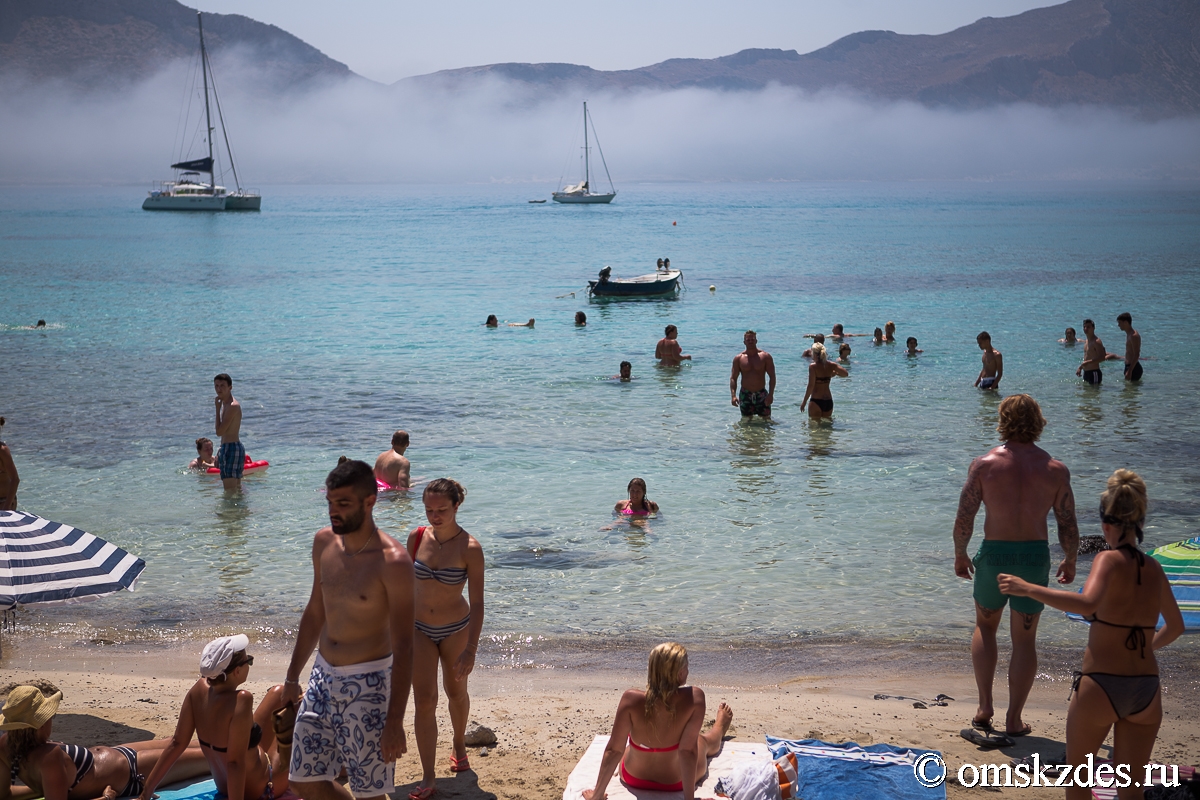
(1135, 54)
(109, 43)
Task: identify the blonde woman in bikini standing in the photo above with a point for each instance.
(1118, 687)
(817, 397)
(656, 738)
(448, 626)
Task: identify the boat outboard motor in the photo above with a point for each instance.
(604, 273)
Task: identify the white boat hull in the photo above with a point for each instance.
(560, 197)
(243, 202)
(168, 202)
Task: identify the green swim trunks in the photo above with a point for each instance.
(1028, 560)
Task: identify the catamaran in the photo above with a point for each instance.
(188, 192)
(582, 191)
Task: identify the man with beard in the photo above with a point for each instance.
(360, 613)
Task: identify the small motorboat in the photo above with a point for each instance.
(663, 282)
(537, 201)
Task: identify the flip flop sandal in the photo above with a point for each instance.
(991, 741)
(1028, 729)
(422, 793)
(457, 765)
(984, 725)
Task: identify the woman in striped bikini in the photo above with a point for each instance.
(448, 626)
(60, 771)
(656, 737)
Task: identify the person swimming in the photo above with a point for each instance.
(492, 322)
(911, 344)
(580, 318)
(844, 352)
(522, 324)
(877, 337)
(204, 455)
(638, 505)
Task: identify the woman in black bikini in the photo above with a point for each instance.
(656, 737)
(448, 626)
(1124, 595)
(60, 771)
(820, 371)
(247, 749)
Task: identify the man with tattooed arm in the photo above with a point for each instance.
(1019, 483)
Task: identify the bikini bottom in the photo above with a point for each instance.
(638, 783)
(437, 633)
(823, 403)
(1128, 694)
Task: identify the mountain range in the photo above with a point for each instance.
(1140, 55)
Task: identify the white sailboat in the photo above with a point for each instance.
(188, 192)
(582, 192)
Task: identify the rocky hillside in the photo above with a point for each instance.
(109, 43)
(1134, 54)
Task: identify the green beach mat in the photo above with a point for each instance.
(1181, 562)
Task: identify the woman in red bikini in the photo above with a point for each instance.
(656, 738)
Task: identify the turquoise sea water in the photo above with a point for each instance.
(344, 313)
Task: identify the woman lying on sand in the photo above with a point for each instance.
(448, 626)
(238, 742)
(60, 771)
(1122, 598)
(656, 737)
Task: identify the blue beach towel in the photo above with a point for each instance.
(201, 790)
(851, 772)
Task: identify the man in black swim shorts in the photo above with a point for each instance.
(1133, 348)
(1093, 354)
(755, 367)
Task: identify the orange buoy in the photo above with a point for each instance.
(673, 222)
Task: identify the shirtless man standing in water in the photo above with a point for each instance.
(392, 468)
(231, 458)
(1019, 483)
(993, 363)
(360, 617)
(1093, 354)
(754, 366)
(1133, 348)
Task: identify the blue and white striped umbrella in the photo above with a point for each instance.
(48, 562)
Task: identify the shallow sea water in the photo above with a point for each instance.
(344, 313)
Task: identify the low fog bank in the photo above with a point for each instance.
(354, 132)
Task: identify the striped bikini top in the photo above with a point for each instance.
(451, 576)
(80, 756)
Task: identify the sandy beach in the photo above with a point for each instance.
(545, 715)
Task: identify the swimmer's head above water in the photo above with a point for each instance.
(638, 502)
(1069, 336)
(400, 441)
(878, 335)
(838, 330)
(844, 350)
(492, 322)
(626, 371)
(580, 318)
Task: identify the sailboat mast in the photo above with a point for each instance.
(587, 171)
(212, 179)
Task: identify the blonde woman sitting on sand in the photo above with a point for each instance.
(60, 771)
(1123, 597)
(448, 626)
(656, 740)
(247, 756)
(817, 397)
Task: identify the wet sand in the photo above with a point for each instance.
(545, 704)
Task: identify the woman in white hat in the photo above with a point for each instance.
(247, 749)
(60, 771)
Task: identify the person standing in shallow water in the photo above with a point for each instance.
(1093, 355)
(755, 367)
(1133, 348)
(231, 458)
(448, 625)
(667, 351)
(392, 469)
(1020, 484)
(820, 372)
(993, 363)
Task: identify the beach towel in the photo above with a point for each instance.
(732, 754)
(826, 771)
(1185, 774)
(203, 790)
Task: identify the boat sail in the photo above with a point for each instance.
(188, 192)
(582, 192)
